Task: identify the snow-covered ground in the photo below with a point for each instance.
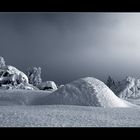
(86, 102)
(16, 111)
(68, 116)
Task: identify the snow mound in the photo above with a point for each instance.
(87, 91)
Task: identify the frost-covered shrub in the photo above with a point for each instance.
(34, 75)
(2, 62)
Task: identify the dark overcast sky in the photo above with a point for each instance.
(68, 46)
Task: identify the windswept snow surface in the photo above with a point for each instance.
(68, 116)
(85, 92)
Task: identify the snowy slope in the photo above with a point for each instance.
(85, 92)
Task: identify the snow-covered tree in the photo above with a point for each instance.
(34, 75)
(2, 62)
(110, 82)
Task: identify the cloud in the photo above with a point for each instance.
(70, 45)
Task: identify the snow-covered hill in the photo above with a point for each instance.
(85, 92)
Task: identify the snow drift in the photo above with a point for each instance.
(85, 92)
(21, 96)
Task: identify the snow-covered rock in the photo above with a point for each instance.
(48, 85)
(87, 92)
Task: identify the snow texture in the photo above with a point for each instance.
(68, 116)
